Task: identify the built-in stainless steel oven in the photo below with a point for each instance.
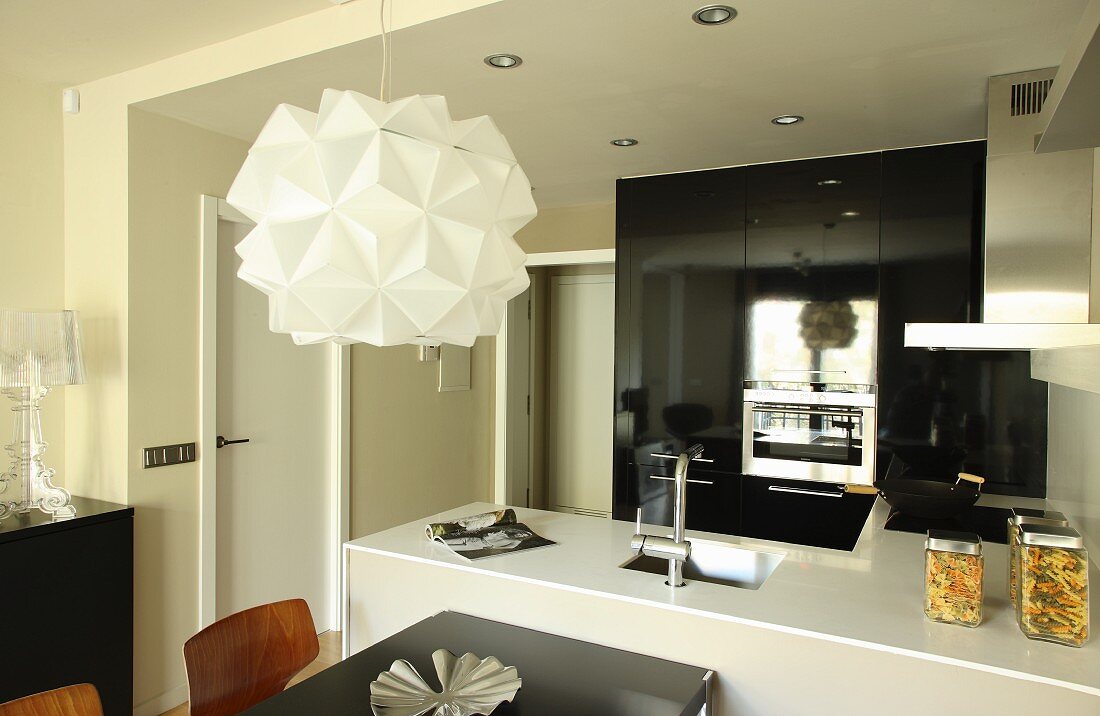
(823, 436)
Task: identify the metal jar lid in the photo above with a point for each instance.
(1051, 536)
(1026, 516)
(951, 541)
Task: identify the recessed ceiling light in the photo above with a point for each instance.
(714, 15)
(504, 61)
(624, 142)
(849, 214)
(829, 182)
(787, 119)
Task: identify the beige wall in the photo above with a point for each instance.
(32, 265)
(570, 228)
(1094, 284)
(171, 164)
(102, 260)
(97, 199)
(416, 451)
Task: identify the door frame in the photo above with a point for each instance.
(211, 210)
(502, 481)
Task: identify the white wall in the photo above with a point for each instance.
(1073, 449)
(1073, 464)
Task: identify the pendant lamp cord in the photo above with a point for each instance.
(385, 84)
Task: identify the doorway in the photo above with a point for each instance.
(535, 395)
(273, 448)
(580, 386)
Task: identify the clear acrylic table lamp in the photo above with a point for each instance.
(38, 350)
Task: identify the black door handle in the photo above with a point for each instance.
(222, 442)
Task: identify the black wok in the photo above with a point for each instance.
(931, 499)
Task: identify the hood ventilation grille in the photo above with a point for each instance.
(1028, 97)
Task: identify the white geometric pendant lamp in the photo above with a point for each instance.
(383, 222)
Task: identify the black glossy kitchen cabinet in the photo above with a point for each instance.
(713, 498)
(812, 253)
(806, 272)
(680, 318)
(801, 512)
(942, 412)
(70, 603)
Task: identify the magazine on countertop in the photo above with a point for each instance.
(486, 535)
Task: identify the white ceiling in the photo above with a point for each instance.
(73, 41)
(867, 74)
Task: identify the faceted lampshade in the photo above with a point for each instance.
(828, 324)
(383, 222)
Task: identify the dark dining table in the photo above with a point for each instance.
(560, 675)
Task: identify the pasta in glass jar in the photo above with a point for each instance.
(953, 571)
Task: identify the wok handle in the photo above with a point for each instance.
(861, 489)
(972, 478)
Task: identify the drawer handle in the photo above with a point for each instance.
(800, 491)
(666, 456)
(673, 479)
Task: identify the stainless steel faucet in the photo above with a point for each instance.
(676, 550)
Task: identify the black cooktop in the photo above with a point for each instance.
(990, 523)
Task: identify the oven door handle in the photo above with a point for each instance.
(840, 412)
(801, 491)
(812, 372)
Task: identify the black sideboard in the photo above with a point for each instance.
(69, 603)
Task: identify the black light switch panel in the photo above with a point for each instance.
(169, 455)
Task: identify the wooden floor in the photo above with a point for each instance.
(329, 655)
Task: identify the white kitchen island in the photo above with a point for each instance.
(829, 631)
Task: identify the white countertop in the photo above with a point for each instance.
(870, 597)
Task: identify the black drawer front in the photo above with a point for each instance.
(713, 499)
(801, 512)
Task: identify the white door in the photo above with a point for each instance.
(273, 492)
(580, 393)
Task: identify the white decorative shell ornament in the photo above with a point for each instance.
(382, 222)
(470, 686)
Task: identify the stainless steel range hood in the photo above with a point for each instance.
(1038, 234)
(1000, 336)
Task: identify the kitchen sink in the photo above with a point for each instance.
(716, 563)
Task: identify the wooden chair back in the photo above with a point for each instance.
(247, 657)
(78, 700)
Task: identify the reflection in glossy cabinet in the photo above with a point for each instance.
(679, 318)
(944, 412)
(812, 282)
(713, 498)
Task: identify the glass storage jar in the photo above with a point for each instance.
(1052, 602)
(953, 571)
(1020, 516)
